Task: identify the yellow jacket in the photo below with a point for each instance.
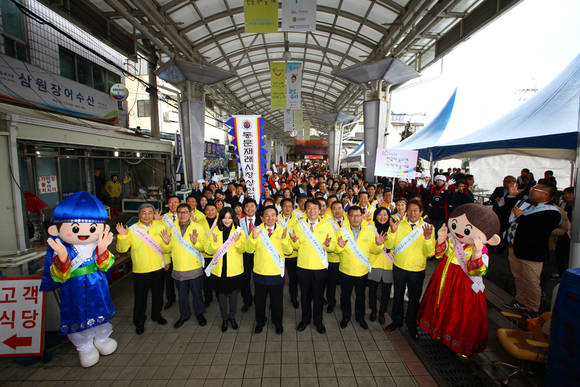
(205, 227)
(291, 223)
(327, 214)
(349, 263)
(113, 188)
(235, 253)
(334, 256)
(182, 259)
(308, 258)
(414, 257)
(144, 259)
(198, 216)
(263, 262)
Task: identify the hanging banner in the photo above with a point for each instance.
(298, 120)
(293, 85)
(396, 163)
(248, 133)
(288, 120)
(298, 15)
(278, 85)
(261, 16)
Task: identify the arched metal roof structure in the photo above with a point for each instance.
(348, 32)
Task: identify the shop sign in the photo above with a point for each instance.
(47, 184)
(21, 317)
(214, 150)
(119, 92)
(32, 86)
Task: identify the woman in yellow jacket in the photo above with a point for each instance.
(382, 272)
(227, 274)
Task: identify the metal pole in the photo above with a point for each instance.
(183, 163)
(16, 194)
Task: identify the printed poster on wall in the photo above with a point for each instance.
(261, 16)
(298, 15)
(396, 163)
(278, 85)
(47, 184)
(293, 85)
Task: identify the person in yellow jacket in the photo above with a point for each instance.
(354, 264)
(208, 222)
(227, 274)
(150, 257)
(382, 270)
(187, 258)
(195, 213)
(312, 265)
(269, 267)
(412, 243)
(288, 218)
(114, 189)
(366, 208)
(337, 220)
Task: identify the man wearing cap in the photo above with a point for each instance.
(150, 257)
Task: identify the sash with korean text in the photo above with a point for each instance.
(149, 241)
(314, 242)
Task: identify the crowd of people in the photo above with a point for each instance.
(313, 231)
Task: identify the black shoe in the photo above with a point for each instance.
(330, 309)
(382, 318)
(513, 305)
(233, 323)
(344, 323)
(321, 329)
(224, 325)
(207, 302)
(295, 304)
(139, 330)
(180, 322)
(258, 328)
(201, 320)
(392, 327)
(363, 324)
(279, 330)
(168, 305)
(373, 315)
(301, 326)
(161, 321)
(246, 307)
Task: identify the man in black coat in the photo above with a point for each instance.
(503, 199)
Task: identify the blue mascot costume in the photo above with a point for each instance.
(76, 262)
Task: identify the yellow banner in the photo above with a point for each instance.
(261, 16)
(278, 85)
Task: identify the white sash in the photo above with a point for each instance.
(283, 223)
(212, 227)
(272, 251)
(185, 244)
(314, 242)
(149, 241)
(408, 240)
(528, 209)
(477, 285)
(221, 252)
(354, 247)
(298, 214)
(334, 224)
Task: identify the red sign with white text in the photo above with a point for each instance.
(21, 317)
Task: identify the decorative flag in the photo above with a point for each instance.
(293, 85)
(248, 134)
(298, 15)
(298, 120)
(288, 120)
(278, 85)
(261, 16)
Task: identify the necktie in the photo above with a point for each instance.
(269, 232)
(412, 226)
(251, 225)
(312, 227)
(173, 217)
(340, 223)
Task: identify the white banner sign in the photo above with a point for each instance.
(288, 120)
(298, 15)
(293, 85)
(396, 163)
(21, 317)
(47, 184)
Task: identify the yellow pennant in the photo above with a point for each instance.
(278, 85)
(261, 16)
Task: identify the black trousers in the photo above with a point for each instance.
(276, 302)
(247, 277)
(311, 284)
(385, 295)
(142, 284)
(169, 285)
(331, 283)
(347, 283)
(193, 286)
(413, 280)
(291, 269)
(207, 286)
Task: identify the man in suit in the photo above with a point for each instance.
(247, 223)
(172, 204)
(503, 199)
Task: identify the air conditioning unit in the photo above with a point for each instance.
(171, 117)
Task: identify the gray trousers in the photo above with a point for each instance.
(223, 302)
(184, 288)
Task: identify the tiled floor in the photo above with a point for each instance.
(196, 356)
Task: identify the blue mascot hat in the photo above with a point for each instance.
(80, 207)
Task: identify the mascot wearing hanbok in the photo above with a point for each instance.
(77, 259)
(454, 307)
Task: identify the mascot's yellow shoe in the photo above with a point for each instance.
(89, 359)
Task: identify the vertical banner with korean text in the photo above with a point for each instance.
(293, 85)
(278, 85)
(288, 120)
(298, 15)
(261, 16)
(248, 134)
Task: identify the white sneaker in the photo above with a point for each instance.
(106, 347)
(89, 359)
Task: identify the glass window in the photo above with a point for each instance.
(112, 78)
(67, 63)
(99, 81)
(144, 108)
(15, 49)
(13, 20)
(84, 71)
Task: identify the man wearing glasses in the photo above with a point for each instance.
(530, 225)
